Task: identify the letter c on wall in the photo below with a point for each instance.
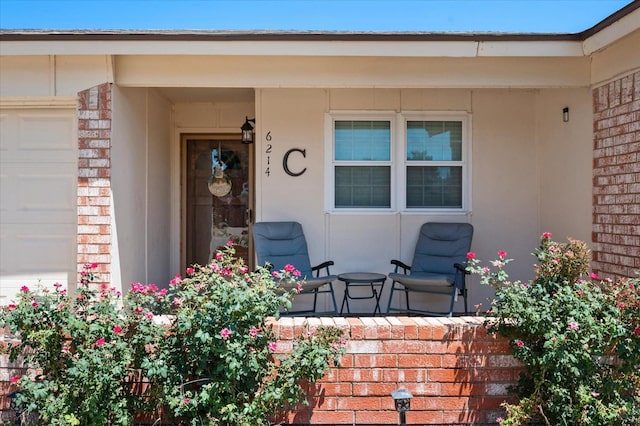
(285, 161)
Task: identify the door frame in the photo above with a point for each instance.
(183, 137)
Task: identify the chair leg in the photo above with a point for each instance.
(333, 299)
(406, 296)
(393, 284)
(315, 299)
(464, 294)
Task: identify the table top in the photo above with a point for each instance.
(362, 277)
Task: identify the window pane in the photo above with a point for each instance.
(434, 140)
(362, 140)
(362, 186)
(434, 187)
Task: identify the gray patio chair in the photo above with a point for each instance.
(280, 243)
(438, 266)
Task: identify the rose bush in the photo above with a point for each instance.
(200, 352)
(578, 337)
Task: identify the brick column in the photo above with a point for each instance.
(94, 179)
(616, 178)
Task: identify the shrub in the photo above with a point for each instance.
(203, 348)
(578, 337)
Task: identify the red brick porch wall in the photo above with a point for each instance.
(455, 371)
(616, 177)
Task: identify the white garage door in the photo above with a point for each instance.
(38, 178)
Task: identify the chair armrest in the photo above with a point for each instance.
(462, 268)
(400, 264)
(323, 265)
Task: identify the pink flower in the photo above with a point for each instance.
(573, 325)
(34, 304)
(594, 276)
(100, 341)
(299, 288)
(14, 379)
(502, 254)
(275, 274)
(230, 243)
(546, 235)
(289, 268)
(636, 331)
(219, 256)
(186, 401)
(272, 346)
(65, 349)
(148, 315)
(519, 343)
(177, 302)
(296, 273)
(225, 333)
(117, 329)
(253, 332)
(24, 289)
(57, 285)
(190, 271)
(621, 305)
(176, 280)
(12, 306)
(499, 420)
(471, 255)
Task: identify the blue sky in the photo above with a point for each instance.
(546, 16)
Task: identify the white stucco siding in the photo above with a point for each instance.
(350, 72)
(38, 175)
(52, 75)
(140, 186)
(617, 59)
(505, 164)
(565, 163)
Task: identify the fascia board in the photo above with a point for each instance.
(623, 27)
(451, 49)
(530, 48)
(243, 48)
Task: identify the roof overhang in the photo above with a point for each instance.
(313, 43)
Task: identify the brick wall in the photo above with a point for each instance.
(616, 177)
(94, 179)
(455, 371)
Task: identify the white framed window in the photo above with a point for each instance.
(360, 154)
(435, 171)
(410, 161)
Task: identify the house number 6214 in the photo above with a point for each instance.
(268, 152)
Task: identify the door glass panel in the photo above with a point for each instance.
(216, 213)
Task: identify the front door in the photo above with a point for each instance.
(217, 195)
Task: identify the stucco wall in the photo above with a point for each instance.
(140, 186)
(519, 188)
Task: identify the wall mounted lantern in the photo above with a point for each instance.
(247, 130)
(402, 401)
(565, 114)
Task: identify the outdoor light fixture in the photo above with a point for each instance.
(565, 114)
(402, 401)
(247, 130)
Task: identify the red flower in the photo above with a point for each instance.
(14, 379)
(502, 254)
(519, 343)
(117, 329)
(100, 341)
(636, 331)
(24, 289)
(471, 255)
(546, 235)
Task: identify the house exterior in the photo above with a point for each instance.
(108, 141)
